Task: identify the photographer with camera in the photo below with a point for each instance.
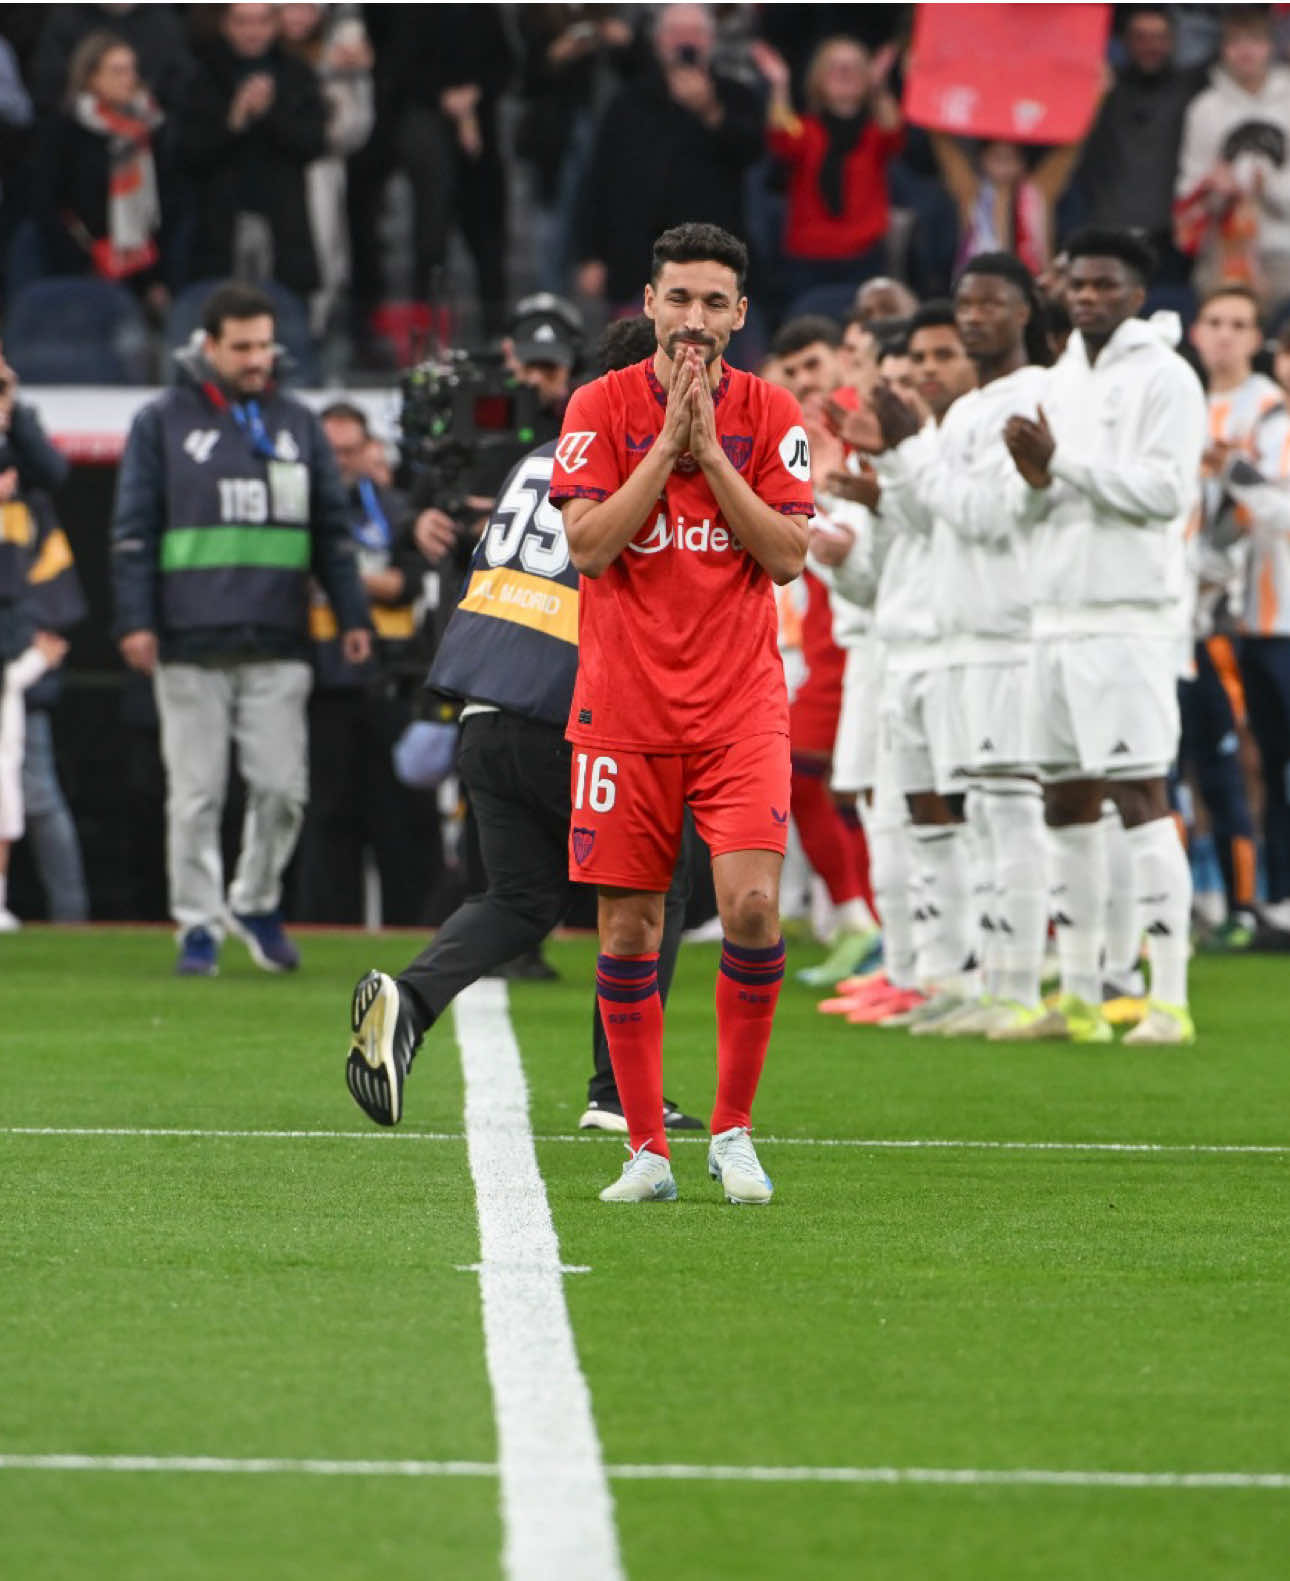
(509, 654)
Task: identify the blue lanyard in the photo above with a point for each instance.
(247, 417)
(373, 532)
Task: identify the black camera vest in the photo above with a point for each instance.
(513, 638)
(237, 544)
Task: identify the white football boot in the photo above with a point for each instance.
(646, 1177)
(732, 1159)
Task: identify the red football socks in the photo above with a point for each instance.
(632, 1012)
(747, 992)
(831, 848)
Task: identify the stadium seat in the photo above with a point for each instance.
(291, 320)
(77, 329)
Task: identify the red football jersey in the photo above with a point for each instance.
(677, 639)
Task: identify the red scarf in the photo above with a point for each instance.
(133, 209)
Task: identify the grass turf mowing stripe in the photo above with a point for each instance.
(557, 1511)
(896, 1143)
(934, 1476)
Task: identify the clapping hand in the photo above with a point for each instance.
(1031, 446)
(678, 419)
(899, 419)
(861, 489)
(704, 443)
(859, 429)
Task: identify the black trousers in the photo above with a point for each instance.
(356, 802)
(1209, 748)
(517, 773)
(1265, 672)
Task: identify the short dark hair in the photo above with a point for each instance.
(346, 412)
(936, 314)
(1244, 19)
(234, 300)
(1130, 14)
(1236, 288)
(1132, 250)
(626, 341)
(1006, 266)
(697, 242)
(803, 331)
(893, 346)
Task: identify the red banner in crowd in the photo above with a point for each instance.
(1028, 73)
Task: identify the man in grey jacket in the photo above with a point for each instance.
(228, 499)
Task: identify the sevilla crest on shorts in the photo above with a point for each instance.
(583, 841)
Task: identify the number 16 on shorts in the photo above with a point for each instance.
(594, 786)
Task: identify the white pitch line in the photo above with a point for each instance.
(873, 1143)
(220, 1465)
(557, 1510)
(953, 1476)
(942, 1476)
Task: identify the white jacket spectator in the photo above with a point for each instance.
(1234, 168)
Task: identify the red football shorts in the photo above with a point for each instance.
(628, 807)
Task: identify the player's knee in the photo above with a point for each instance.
(751, 917)
(927, 807)
(631, 926)
(1070, 802)
(1141, 801)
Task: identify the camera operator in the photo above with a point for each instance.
(543, 350)
(510, 654)
(357, 712)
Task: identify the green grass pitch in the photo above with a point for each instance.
(895, 1306)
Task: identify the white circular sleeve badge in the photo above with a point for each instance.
(795, 453)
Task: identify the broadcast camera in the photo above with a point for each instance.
(465, 421)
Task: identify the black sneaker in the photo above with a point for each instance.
(606, 1114)
(381, 1050)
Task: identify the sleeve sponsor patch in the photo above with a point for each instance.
(795, 453)
(572, 450)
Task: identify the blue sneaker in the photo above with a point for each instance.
(198, 954)
(263, 935)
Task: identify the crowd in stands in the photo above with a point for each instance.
(153, 149)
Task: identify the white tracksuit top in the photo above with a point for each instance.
(1106, 548)
(905, 615)
(980, 550)
(853, 585)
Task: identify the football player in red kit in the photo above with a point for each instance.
(685, 490)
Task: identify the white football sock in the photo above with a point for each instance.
(945, 959)
(986, 941)
(1014, 810)
(891, 871)
(1163, 890)
(1123, 915)
(1078, 899)
(854, 916)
